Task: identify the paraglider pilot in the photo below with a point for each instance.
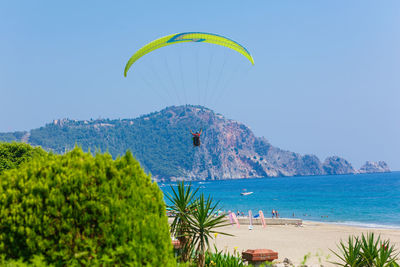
(196, 137)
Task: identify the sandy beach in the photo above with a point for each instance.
(294, 242)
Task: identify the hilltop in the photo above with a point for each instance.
(162, 143)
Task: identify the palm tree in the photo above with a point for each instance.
(201, 224)
(181, 206)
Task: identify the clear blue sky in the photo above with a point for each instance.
(326, 79)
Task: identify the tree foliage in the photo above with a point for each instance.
(79, 209)
(13, 154)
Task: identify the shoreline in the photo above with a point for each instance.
(359, 225)
(245, 221)
(313, 238)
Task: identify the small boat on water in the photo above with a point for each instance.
(246, 193)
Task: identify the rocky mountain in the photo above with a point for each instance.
(161, 141)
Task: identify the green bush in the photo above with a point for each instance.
(36, 261)
(225, 259)
(367, 251)
(220, 258)
(13, 154)
(76, 209)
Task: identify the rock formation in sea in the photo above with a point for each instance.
(373, 167)
(161, 141)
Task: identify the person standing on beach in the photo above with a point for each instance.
(273, 213)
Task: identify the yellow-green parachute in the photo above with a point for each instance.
(188, 37)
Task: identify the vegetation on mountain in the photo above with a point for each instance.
(161, 142)
(11, 136)
(159, 147)
(80, 209)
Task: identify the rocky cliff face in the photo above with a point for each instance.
(336, 165)
(161, 141)
(372, 167)
(230, 150)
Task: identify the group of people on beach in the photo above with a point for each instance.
(238, 213)
(275, 213)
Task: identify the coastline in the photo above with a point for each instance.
(244, 220)
(313, 238)
(356, 224)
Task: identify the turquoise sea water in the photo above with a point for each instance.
(371, 200)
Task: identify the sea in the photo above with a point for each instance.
(367, 200)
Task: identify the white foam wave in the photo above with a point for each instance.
(365, 225)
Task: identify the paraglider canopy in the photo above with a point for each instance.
(188, 37)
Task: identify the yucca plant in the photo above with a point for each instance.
(386, 256)
(349, 253)
(369, 251)
(202, 224)
(369, 248)
(182, 203)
